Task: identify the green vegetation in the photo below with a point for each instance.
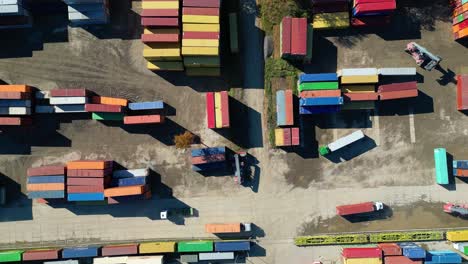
(273, 11)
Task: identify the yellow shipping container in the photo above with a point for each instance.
(154, 50)
(161, 31)
(203, 71)
(200, 19)
(200, 51)
(360, 79)
(331, 20)
(165, 65)
(160, 4)
(279, 137)
(218, 112)
(364, 88)
(454, 236)
(200, 42)
(200, 27)
(362, 261)
(157, 247)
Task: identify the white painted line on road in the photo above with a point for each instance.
(411, 123)
(376, 127)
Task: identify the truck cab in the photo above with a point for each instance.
(378, 206)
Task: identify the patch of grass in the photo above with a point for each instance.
(273, 11)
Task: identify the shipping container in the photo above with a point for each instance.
(285, 32)
(107, 116)
(346, 140)
(157, 247)
(22, 88)
(45, 187)
(309, 110)
(119, 174)
(89, 165)
(316, 101)
(189, 258)
(398, 94)
(70, 261)
(156, 105)
(320, 93)
(14, 103)
(443, 256)
(441, 169)
(123, 191)
(144, 119)
(203, 71)
(81, 181)
(200, 35)
(295, 139)
(46, 179)
(15, 95)
(11, 256)
(69, 93)
(15, 121)
(360, 79)
(172, 12)
(287, 136)
(160, 4)
(397, 71)
(233, 33)
(78, 108)
(210, 110)
(129, 198)
(103, 108)
(456, 236)
(85, 189)
(201, 3)
(223, 228)
(46, 194)
(68, 100)
(208, 159)
(46, 170)
(208, 151)
(130, 181)
(318, 86)
(75, 197)
(371, 252)
(225, 121)
(280, 108)
(462, 92)
(412, 251)
(160, 21)
(232, 246)
(199, 28)
(80, 252)
(41, 254)
(89, 173)
(398, 87)
(371, 21)
(206, 51)
(145, 260)
(202, 61)
(299, 36)
(358, 72)
(390, 249)
(279, 137)
(358, 88)
(401, 260)
(318, 77)
(216, 256)
(289, 107)
(110, 260)
(202, 19)
(116, 250)
(355, 208)
(200, 11)
(362, 261)
(218, 113)
(460, 164)
(195, 246)
(15, 111)
(172, 37)
(361, 96)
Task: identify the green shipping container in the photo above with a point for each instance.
(233, 38)
(108, 116)
(201, 61)
(11, 256)
(318, 86)
(441, 169)
(195, 246)
(465, 251)
(310, 41)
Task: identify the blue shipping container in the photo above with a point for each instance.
(280, 108)
(318, 77)
(80, 252)
(46, 179)
(146, 105)
(232, 246)
(15, 103)
(46, 194)
(209, 166)
(443, 256)
(460, 164)
(208, 151)
(316, 101)
(78, 197)
(129, 181)
(412, 251)
(310, 110)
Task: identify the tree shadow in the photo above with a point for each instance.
(386, 213)
(422, 104)
(352, 151)
(17, 206)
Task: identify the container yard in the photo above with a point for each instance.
(241, 131)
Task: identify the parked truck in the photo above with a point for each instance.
(184, 212)
(342, 142)
(228, 228)
(360, 208)
(456, 209)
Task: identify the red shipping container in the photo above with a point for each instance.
(85, 189)
(361, 96)
(398, 94)
(208, 159)
(287, 136)
(288, 97)
(401, 260)
(299, 36)
(160, 21)
(286, 35)
(210, 110)
(117, 250)
(462, 92)
(355, 208)
(200, 11)
(14, 95)
(225, 109)
(370, 21)
(295, 139)
(46, 170)
(320, 93)
(200, 35)
(201, 3)
(462, 173)
(160, 12)
(390, 249)
(68, 92)
(144, 119)
(89, 173)
(379, 7)
(356, 2)
(373, 252)
(15, 121)
(41, 254)
(457, 21)
(398, 87)
(147, 38)
(101, 108)
(79, 181)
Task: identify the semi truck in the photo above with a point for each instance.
(228, 228)
(172, 212)
(456, 209)
(352, 209)
(342, 142)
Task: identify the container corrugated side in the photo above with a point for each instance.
(157, 247)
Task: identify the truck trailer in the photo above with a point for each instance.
(352, 209)
(342, 142)
(228, 228)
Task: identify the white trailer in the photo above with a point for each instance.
(342, 142)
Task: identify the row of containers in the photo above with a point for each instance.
(17, 102)
(187, 251)
(462, 91)
(354, 88)
(86, 12)
(460, 168)
(285, 134)
(460, 19)
(206, 159)
(217, 110)
(88, 180)
(296, 40)
(398, 253)
(13, 14)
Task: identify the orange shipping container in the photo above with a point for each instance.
(223, 228)
(22, 88)
(89, 165)
(109, 100)
(124, 191)
(46, 187)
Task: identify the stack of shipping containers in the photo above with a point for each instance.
(68, 100)
(87, 179)
(372, 13)
(359, 87)
(145, 113)
(161, 35)
(217, 109)
(46, 182)
(412, 251)
(460, 168)
(296, 39)
(208, 158)
(319, 93)
(106, 108)
(86, 12)
(460, 19)
(14, 15)
(362, 255)
(15, 105)
(462, 92)
(393, 255)
(201, 37)
(394, 89)
(286, 136)
(332, 14)
(135, 178)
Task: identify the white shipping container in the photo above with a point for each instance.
(460, 246)
(93, 15)
(130, 173)
(145, 260)
(69, 108)
(16, 10)
(42, 94)
(68, 100)
(80, 8)
(44, 109)
(70, 261)
(397, 71)
(70, 2)
(110, 260)
(15, 111)
(216, 256)
(10, 2)
(346, 140)
(358, 71)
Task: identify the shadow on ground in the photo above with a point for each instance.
(422, 104)
(351, 151)
(17, 207)
(386, 213)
